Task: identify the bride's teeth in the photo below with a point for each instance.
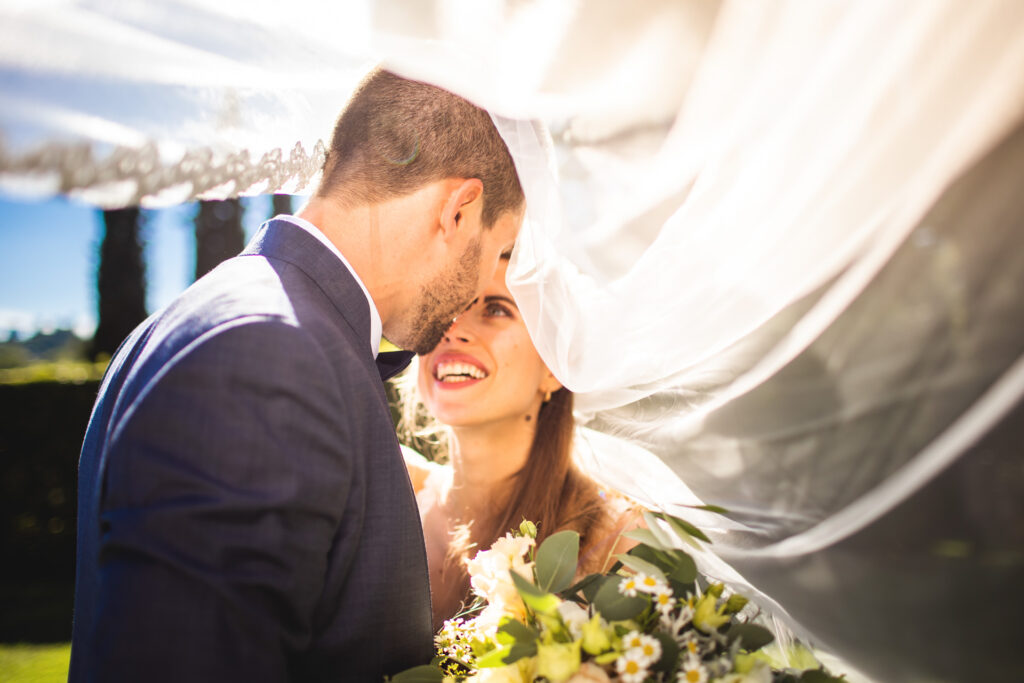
(458, 372)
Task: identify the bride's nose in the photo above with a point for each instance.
(457, 331)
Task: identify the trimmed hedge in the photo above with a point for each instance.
(42, 424)
(41, 433)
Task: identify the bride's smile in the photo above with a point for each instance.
(458, 370)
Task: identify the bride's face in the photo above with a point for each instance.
(486, 368)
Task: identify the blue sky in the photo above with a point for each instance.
(49, 252)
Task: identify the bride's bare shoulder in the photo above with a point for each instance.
(621, 514)
(421, 471)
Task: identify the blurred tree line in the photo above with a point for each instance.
(121, 277)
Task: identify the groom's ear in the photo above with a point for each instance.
(463, 206)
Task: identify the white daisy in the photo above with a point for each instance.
(690, 645)
(663, 600)
(649, 648)
(632, 640)
(649, 584)
(628, 586)
(693, 672)
(631, 668)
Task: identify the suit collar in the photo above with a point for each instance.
(375, 321)
(281, 239)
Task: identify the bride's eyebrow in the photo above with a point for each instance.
(498, 297)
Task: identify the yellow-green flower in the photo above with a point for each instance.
(597, 636)
(528, 528)
(558, 661)
(706, 617)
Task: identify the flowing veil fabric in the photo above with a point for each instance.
(773, 247)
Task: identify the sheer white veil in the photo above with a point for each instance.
(774, 248)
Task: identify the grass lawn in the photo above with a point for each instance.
(34, 663)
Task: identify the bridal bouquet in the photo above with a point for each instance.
(649, 619)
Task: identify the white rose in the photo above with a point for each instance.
(589, 673)
(574, 618)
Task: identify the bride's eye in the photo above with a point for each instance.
(494, 309)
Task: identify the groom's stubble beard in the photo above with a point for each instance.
(446, 296)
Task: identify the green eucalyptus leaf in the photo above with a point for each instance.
(684, 528)
(709, 508)
(684, 569)
(520, 650)
(535, 598)
(751, 636)
(819, 676)
(519, 631)
(659, 558)
(669, 652)
(591, 588)
(419, 674)
(664, 538)
(645, 536)
(582, 585)
(639, 565)
(502, 638)
(494, 658)
(556, 561)
(613, 605)
(681, 589)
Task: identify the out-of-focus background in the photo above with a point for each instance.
(74, 281)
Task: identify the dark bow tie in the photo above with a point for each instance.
(390, 363)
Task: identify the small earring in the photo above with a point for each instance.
(547, 396)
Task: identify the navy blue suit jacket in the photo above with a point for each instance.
(244, 510)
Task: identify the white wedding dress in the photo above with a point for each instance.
(775, 249)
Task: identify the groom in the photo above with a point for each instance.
(244, 510)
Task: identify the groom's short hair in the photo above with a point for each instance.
(396, 135)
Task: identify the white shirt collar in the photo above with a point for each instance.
(376, 327)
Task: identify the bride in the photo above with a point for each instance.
(509, 439)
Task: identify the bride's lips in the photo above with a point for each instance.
(456, 370)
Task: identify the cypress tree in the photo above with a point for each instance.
(219, 233)
(120, 282)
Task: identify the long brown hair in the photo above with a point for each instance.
(548, 490)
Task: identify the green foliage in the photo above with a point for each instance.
(640, 617)
(684, 528)
(613, 605)
(646, 537)
(677, 565)
(640, 565)
(556, 561)
(750, 636)
(536, 599)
